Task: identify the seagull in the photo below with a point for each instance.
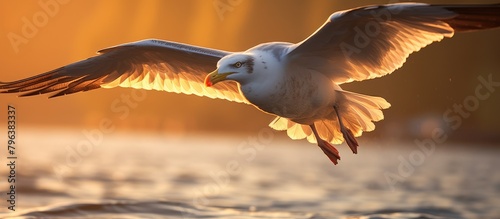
(299, 83)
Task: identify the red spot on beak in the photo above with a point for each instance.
(208, 82)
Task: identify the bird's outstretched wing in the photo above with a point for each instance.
(371, 42)
(147, 64)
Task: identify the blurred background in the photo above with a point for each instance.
(429, 84)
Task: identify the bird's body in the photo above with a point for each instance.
(277, 92)
(298, 83)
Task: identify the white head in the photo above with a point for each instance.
(238, 67)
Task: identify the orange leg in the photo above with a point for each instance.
(328, 149)
(347, 133)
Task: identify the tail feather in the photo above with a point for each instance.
(296, 131)
(360, 111)
(358, 114)
(329, 131)
(363, 119)
(279, 123)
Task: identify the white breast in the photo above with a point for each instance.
(288, 92)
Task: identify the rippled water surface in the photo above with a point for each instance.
(61, 174)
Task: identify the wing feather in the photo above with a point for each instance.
(374, 41)
(148, 64)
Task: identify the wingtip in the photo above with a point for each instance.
(57, 95)
(54, 96)
(29, 94)
(475, 17)
(8, 91)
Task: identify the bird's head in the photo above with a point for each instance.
(237, 67)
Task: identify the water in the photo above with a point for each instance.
(61, 174)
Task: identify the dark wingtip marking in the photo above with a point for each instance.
(57, 95)
(474, 17)
(29, 94)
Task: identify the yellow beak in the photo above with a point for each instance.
(216, 77)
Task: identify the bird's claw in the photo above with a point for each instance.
(350, 140)
(331, 152)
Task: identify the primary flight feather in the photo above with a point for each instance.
(299, 83)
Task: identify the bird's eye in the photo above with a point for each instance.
(238, 64)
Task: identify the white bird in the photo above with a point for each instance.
(299, 83)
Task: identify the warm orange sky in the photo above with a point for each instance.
(431, 82)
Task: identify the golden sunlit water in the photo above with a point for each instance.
(67, 173)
